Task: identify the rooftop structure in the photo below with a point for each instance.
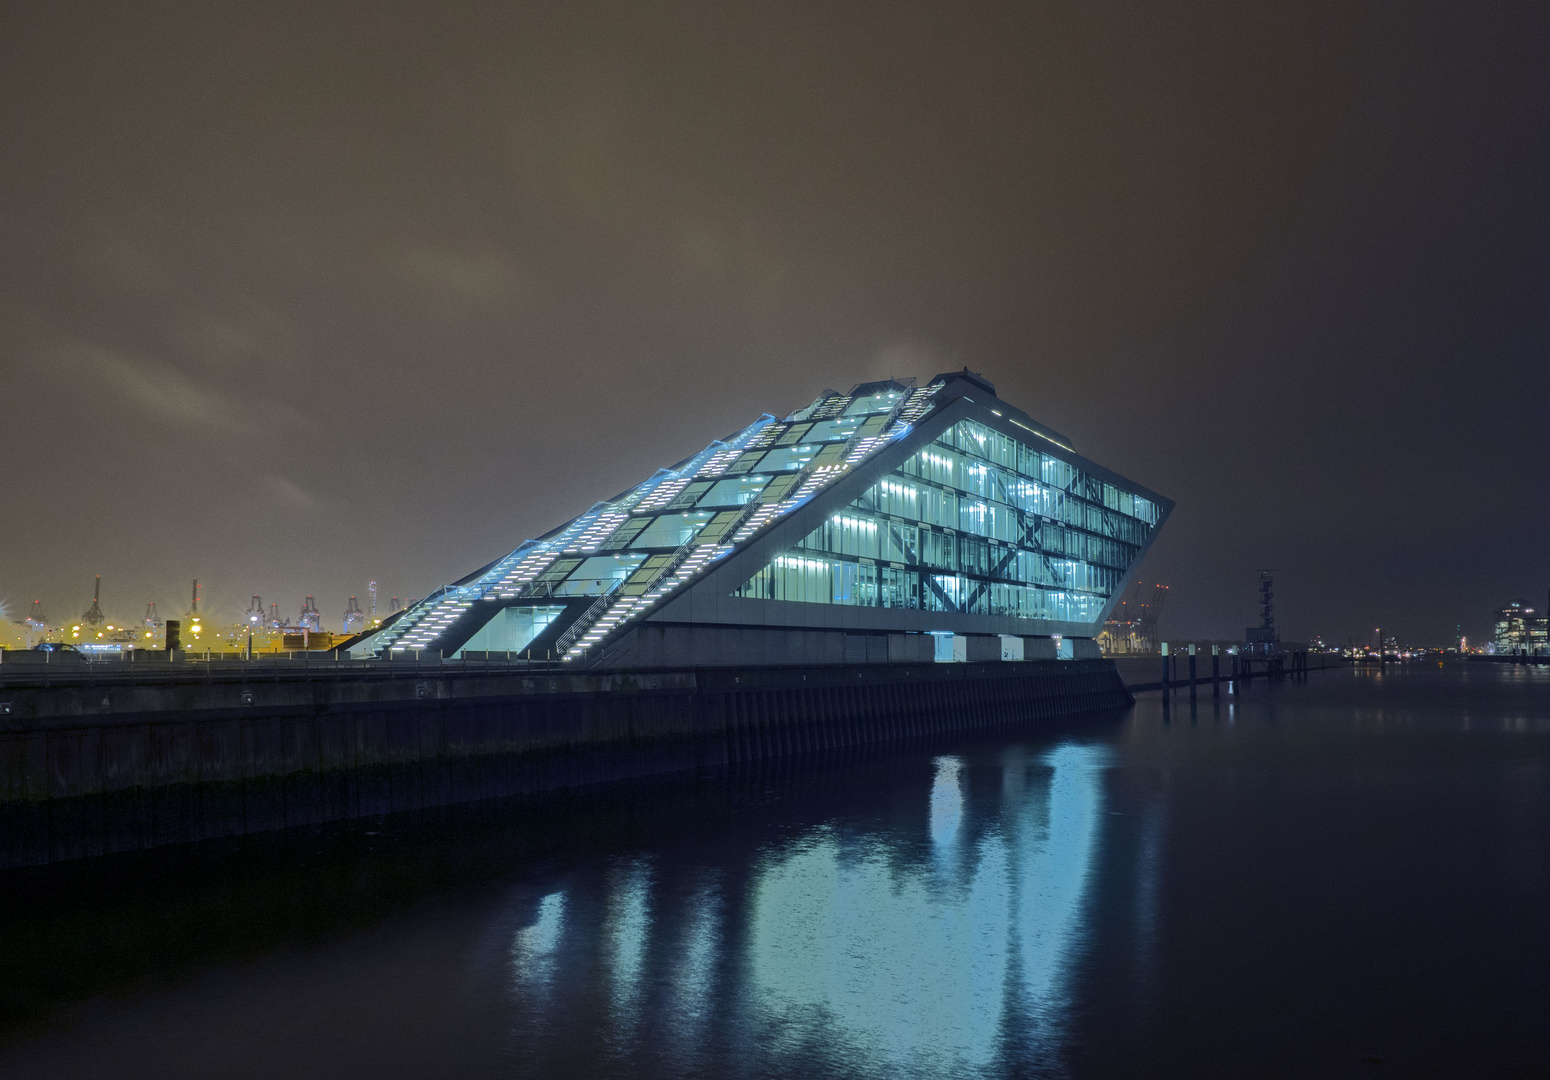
(893, 522)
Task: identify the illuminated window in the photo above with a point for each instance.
(975, 523)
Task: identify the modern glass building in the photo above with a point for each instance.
(892, 523)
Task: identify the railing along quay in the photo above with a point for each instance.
(259, 669)
(1241, 669)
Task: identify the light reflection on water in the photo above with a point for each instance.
(625, 932)
(692, 986)
(872, 951)
(1056, 844)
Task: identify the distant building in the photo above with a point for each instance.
(894, 522)
(1517, 630)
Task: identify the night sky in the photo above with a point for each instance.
(297, 295)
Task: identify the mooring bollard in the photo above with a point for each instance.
(1192, 671)
(1165, 668)
(1216, 671)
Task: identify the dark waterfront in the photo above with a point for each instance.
(1346, 876)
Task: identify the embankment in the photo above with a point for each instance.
(92, 763)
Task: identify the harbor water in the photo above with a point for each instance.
(1347, 875)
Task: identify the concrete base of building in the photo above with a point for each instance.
(670, 645)
(87, 770)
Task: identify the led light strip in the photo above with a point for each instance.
(602, 529)
(665, 493)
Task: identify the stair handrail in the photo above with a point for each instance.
(587, 618)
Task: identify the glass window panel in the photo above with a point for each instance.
(1056, 473)
(734, 491)
(898, 497)
(944, 592)
(1028, 462)
(744, 462)
(716, 530)
(778, 488)
(512, 629)
(854, 584)
(898, 588)
(672, 530)
(898, 542)
(939, 549)
(788, 458)
(973, 556)
(559, 570)
(641, 580)
(831, 454)
(938, 464)
(834, 430)
(972, 437)
(874, 403)
(689, 495)
(595, 575)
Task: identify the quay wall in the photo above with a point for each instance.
(93, 764)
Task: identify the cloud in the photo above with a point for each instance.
(254, 335)
(462, 278)
(172, 397)
(289, 492)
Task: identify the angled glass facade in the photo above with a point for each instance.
(630, 552)
(977, 523)
(966, 517)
